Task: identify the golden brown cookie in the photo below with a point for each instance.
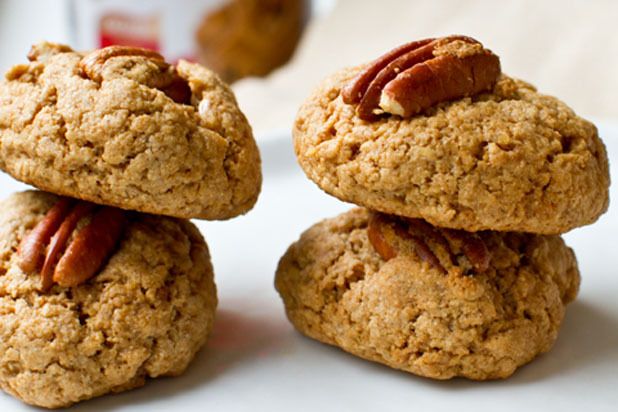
(145, 314)
(506, 159)
(121, 127)
(251, 37)
(479, 322)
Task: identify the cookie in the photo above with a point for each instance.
(506, 158)
(121, 127)
(145, 314)
(251, 37)
(474, 321)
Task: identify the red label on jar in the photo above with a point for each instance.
(127, 30)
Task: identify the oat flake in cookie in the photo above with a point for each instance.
(461, 319)
(121, 127)
(145, 313)
(433, 130)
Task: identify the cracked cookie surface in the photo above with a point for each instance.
(509, 160)
(119, 142)
(145, 314)
(410, 316)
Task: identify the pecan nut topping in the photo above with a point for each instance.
(45, 247)
(418, 75)
(392, 236)
(59, 240)
(32, 246)
(167, 79)
(91, 247)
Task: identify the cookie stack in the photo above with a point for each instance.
(454, 265)
(103, 281)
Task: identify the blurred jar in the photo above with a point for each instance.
(235, 38)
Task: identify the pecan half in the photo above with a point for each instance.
(392, 236)
(59, 241)
(388, 237)
(386, 249)
(167, 79)
(31, 250)
(418, 75)
(91, 247)
(473, 248)
(84, 254)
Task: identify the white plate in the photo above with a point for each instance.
(256, 361)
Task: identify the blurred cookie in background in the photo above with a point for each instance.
(251, 37)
